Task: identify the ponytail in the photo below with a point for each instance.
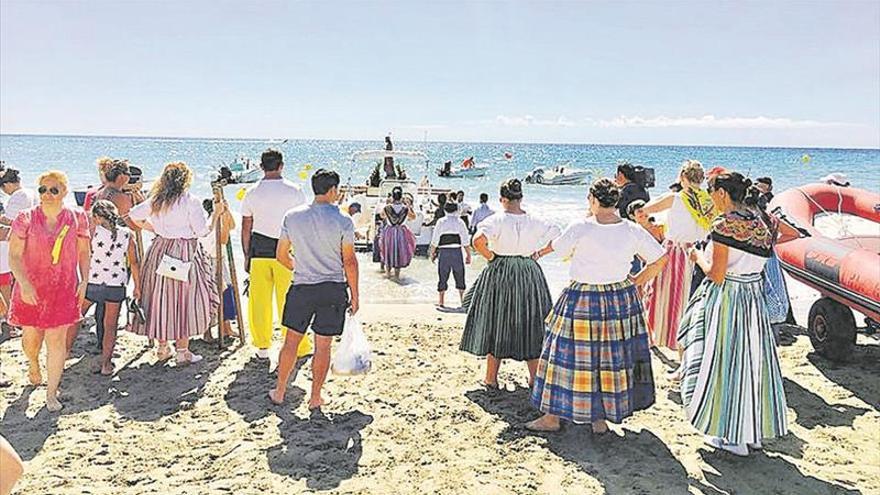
(106, 210)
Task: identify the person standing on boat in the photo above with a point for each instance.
(390, 171)
(630, 189)
(507, 304)
(732, 387)
(596, 362)
(690, 214)
(398, 243)
(325, 282)
(262, 212)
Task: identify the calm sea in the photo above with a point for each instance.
(787, 166)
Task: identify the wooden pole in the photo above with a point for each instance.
(218, 223)
(242, 332)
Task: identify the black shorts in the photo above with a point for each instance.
(100, 293)
(321, 305)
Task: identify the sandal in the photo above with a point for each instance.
(185, 356)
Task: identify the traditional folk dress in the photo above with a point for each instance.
(398, 245)
(732, 385)
(596, 362)
(509, 301)
(176, 309)
(687, 222)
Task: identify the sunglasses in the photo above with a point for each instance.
(53, 190)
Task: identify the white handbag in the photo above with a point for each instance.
(174, 268)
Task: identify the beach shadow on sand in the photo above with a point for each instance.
(323, 449)
(813, 411)
(860, 374)
(616, 461)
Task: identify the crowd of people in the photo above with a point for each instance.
(588, 354)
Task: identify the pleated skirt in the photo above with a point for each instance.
(667, 296)
(506, 308)
(596, 360)
(176, 310)
(732, 384)
(398, 246)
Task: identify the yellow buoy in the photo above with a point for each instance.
(806, 158)
(307, 166)
(303, 175)
(240, 194)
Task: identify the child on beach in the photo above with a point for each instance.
(113, 252)
(449, 238)
(209, 244)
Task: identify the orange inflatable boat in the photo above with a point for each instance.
(846, 271)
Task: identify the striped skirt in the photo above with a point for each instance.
(596, 361)
(506, 308)
(176, 310)
(398, 246)
(732, 385)
(667, 296)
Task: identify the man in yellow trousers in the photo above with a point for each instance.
(262, 211)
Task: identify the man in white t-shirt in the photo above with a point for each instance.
(262, 210)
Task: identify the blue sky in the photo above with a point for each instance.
(729, 73)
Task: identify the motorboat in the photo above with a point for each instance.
(135, 181)
(373, 195)
(843, 268)
(473, 172)
(559, 175)
(240, 171)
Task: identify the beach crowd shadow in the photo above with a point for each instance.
(322, 449)
(860, 374)
(813, 411)
(617, 462)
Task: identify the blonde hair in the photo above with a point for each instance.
(172, 184)
(56, 175)
(692, 170)
(104, 163)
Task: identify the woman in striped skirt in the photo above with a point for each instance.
(397, 242)
(732, 386)
(689, 215)
(507, 304)
(596, 363)
(178, 289)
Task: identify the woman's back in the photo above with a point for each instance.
(516, 235)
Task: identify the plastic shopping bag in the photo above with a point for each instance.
(353, 357)
(775, 291)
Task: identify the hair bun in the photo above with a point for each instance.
(512, 189)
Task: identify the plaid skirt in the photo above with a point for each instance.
(596, 362)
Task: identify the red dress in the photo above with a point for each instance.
(54, 280)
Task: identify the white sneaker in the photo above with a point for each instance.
(739, 449)
(263, 353)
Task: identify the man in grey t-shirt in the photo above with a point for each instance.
(325, 274)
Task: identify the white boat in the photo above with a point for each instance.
(560, 175)
(371, 197)
(240, 171)
(477, 171)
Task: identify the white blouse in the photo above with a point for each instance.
(739, 262)
(680, 224)
(185, 219)
(603, 253)
(516, 235)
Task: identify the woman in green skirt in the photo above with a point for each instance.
(507, 304)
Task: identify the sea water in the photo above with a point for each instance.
(789, 167)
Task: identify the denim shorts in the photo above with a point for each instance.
(100, 293)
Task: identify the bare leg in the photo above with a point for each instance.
(31, 343)
(533, 369)
(397, 273)
(461, 298)
(56, 353)
(320, 365)
(442, 297)
(286, 362)
(492, 367)
(70, 337)
(11, 467)
(111, 322)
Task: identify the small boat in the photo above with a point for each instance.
(472, 172)
(561, 175)
(844, 270)
(135, 180)
(240, 171)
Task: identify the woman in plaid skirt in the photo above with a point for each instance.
(595, 363)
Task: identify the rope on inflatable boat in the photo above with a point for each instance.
(843, 230)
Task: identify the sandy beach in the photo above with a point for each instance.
(418, 423)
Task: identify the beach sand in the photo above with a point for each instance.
(418, 423)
